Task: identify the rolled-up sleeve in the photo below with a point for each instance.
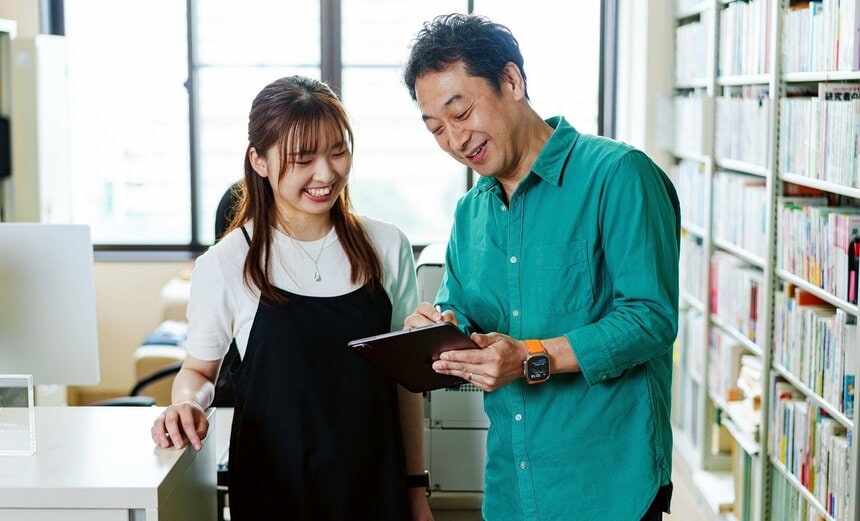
(639, 232)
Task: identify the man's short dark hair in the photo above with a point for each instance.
(484, 47)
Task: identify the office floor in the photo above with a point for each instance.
(686, 505)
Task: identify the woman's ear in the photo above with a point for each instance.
(258, 162)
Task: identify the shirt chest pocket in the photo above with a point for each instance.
(564, 277)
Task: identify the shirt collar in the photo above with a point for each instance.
(551, 160)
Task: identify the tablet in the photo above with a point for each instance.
(407, 356)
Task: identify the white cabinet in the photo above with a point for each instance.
(100, 464)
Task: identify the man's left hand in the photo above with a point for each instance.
(496, 364)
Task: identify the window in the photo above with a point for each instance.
(241, 48)
(128, 112)
(159, 133)
(561, 50)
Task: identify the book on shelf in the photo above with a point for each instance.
(821, 36)
(853, 268)
(745, 417)
(846, 244)
(693, 118)
(815, 242)
(784, 394)
(791, 191)
(743, 51)
(819, 134)
(691, 43)
(724, 364)
(721, 440)
(743, 471)
(735, 295)
(848, 56)
(838, 91)
(813, 447)
(739, 210)
(850, 343)
(817, 344)
(750, 378)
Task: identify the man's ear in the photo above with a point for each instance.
(512, 81)
(258, 162)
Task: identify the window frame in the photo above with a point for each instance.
(331, 66)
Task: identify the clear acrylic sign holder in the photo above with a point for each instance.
(17, 415)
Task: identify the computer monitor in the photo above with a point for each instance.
(47, 303)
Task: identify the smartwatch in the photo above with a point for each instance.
(419, 481)
(536, 365)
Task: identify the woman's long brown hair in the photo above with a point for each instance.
(288, 113)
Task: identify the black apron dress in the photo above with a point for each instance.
(316, 429)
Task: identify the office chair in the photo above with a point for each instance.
(134, 398)
(224, 395)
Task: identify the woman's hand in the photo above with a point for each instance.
(180, 423)
(185, 420)
(425, 314)
(418, 505)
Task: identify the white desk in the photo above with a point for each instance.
(100, 464)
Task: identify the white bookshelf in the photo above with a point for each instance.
(697, 458)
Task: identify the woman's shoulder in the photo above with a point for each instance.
(230, 250)
(383, 234)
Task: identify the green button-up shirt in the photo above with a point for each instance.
(587, 247)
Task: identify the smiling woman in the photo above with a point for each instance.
(297, 276)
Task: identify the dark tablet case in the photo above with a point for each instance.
(407, 356)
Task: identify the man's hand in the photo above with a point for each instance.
(425, 314)
(496, 364)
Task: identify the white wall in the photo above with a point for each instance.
(24, 12)
(128, 302)
(644, 76)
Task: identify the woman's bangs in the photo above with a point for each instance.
(309, 135)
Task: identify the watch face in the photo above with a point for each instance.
(537, 368)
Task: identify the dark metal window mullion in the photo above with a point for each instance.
(191, 85)
(607, 68)
(470, 174)
(52, 19)
(331, 61)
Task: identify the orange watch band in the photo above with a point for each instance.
(535, 346)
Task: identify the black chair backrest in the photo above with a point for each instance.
(224, 395)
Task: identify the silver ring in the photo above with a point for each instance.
(468, 376)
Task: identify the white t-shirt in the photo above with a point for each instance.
(221, 307)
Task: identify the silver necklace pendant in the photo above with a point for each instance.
(317, 276)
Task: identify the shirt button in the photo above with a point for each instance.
(503, 208)
(518, 417)
(515, 312)
(523, 465)
(513, 260)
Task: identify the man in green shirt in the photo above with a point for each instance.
(562, 262)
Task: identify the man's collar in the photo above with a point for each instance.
(551, 160)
